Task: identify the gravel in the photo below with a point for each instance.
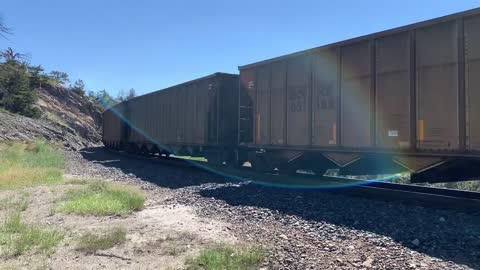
(304, 229)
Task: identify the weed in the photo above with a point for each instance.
(91, 243)
(15, 203)
(226, 257)
(79, 182)
(52, 211)
(473, 185)
(173, 249)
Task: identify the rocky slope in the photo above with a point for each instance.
(68, 118)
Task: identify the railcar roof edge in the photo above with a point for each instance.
(170, 87)
(446, 18)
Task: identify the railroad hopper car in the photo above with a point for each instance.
(406, 99)
(196, 118)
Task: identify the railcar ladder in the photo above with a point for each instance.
(245, 124)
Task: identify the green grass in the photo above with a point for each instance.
(91, 243)
(17, 238)
(226, 257)
(102, 199)
(29, 164)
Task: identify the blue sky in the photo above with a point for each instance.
(149, 45)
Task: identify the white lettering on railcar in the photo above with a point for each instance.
(393, 133)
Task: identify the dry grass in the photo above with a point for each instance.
(473, 185)
(102, 199)
(7, 268)
(79, 181)
(17, 202)
(29, 164)
(91, 242)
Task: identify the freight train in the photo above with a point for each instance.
(401, 100)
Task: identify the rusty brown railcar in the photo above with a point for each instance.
(196, 118)
(406, 99)
(114, 126)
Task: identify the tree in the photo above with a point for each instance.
(38, 77)
(91, 94)
(59, 77)
(105, 100)
(121, 95)
(79, 87)
(131, 94)
(10, 55)
(16, 93)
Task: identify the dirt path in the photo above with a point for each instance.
(161, 236)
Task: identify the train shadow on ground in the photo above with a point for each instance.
(449, 235)
(151, 171)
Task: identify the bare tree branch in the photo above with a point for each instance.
(4, 30)
(10, 55)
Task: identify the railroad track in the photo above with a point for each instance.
(431, 197)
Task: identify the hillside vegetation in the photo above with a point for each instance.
(34, 104)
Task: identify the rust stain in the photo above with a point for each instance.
(258, 127)
(334, 133)
(421, 130)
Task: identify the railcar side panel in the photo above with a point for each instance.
(198, 132)
(472, 84)
(212, 105)
(437, 87)
(171, 129)
(111, 127)
(298, 101)
(228, 104)
(393, 91)
(189, 110)
(262, 136)
(133, 138)
(206, 93)
(278, 100)
(324, 97)
(159, 118)
(356, 99)
(247, 103)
